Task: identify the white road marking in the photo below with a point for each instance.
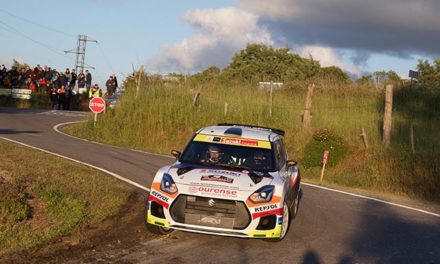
(372, 199)
(147, 189)
(56, 128)
(81, 162)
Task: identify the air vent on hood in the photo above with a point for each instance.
(234, 131)
(255, 178)
(184, 170)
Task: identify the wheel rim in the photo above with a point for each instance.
(285, 224)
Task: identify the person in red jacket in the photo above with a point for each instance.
(61, 97)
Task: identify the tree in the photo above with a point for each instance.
(258, 62)
(429, 75)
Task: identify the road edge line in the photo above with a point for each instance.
(119, 177)
(56, 128)
(371, 198)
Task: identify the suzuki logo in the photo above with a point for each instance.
(211, 203)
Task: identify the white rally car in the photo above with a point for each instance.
(230, 180)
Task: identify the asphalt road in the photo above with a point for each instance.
(331, 227)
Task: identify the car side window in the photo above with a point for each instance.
(280, 153)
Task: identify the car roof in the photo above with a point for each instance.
(242, 131)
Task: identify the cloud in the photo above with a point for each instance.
(219, 34)
(396, 27)
(328, 57)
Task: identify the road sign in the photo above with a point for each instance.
(324, 162)
(413, 74)
(97, 105)
(325, 157)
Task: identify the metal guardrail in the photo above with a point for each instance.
(17, 93)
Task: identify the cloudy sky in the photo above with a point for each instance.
(187, 36)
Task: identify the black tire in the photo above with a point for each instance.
(295, 206)
(159, 230)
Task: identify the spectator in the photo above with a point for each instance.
(81, 83)
(32, 85)
(53, 97)
(88, 80)
(66, 105)
(116, 82)
(42, 85)
(95, 91)
(61, 97)
(63, 79)
(111, 86)
(72, 80)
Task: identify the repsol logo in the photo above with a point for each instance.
(266, 207)
(160, 196)
(217, 191)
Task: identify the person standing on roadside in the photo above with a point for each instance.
(72, 80)
(95, 91)
(53, 97)
(81, 82)
(110, 84)
(61, 97)
(88, 80)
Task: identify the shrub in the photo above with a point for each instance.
(324, 139)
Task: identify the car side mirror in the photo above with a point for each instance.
(176, 153)
(292, 163)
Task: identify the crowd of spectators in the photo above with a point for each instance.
(59, 85)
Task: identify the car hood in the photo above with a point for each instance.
(234, 179)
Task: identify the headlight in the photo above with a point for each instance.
(262, 195)
(167, 185)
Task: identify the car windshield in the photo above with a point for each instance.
(212, 154)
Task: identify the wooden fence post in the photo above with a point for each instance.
(387, 118)
(411, 136)
(364, 138)
(307, 112)
(196, 99)
(270, 98)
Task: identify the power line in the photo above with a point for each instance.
(14, 30)
(37, 24)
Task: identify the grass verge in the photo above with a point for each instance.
(162, 117)
(43, 198)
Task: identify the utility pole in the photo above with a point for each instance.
(80, 52)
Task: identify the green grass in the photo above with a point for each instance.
(44, 197)
(162, 118)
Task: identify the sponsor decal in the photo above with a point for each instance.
(233, 141)
(216, 178)
(278, 211)
(266, 207)
(160, 196)
(213, 191)
(210, 220)
(223, 172)
(244, 142)
(193, 189)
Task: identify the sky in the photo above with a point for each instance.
(188, 36)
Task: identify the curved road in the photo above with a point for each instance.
(331, 227)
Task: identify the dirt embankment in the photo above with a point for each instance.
(107, 243)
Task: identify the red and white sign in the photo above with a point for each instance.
(325, 157)
(97, 105)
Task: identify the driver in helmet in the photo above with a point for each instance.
(213, 155)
